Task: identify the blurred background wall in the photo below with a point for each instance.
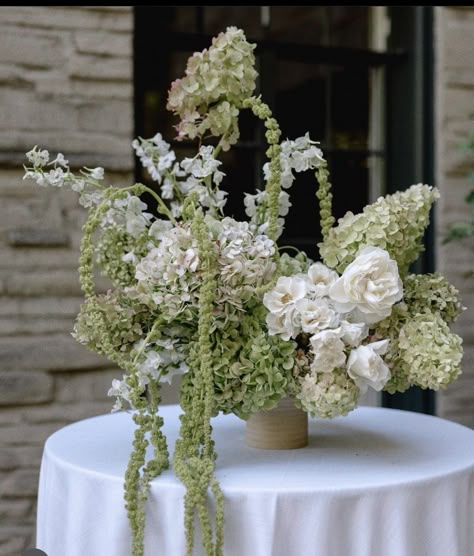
(454, 98)
(67, 84)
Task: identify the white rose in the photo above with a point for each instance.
(353, 332)
(316, 315)
(370, 285)
(321, 278)
(287, 291)
(367, 368)
(284, 325)
(328, 350)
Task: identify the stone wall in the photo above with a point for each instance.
(454, 78)
(65, 84)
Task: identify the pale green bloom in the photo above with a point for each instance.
(426, 354)
(395, 223)
(217, 81)
(328, 395)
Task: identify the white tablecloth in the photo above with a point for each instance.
(376, 483)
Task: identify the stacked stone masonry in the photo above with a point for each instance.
(454, 94)
(66, 83)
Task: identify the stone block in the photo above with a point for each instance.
(27, 258)
(103, 42)
(60, 415)
(44, 307)
(14, 539)
(100, 68)
(60, 283)
(15, 510)
(115, 116)
(20, 388)
(28, 237)
(8, 459)
(28, 456)
(17, 326)
(91, 386)
(23, 110)
(102, 89)
(58, 352)
(19, 484)
(31, 435)
(34, 49)
(75, 17)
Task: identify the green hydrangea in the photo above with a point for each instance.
(289, 266)
(395, 223)
(328, 395)
(429, 355)
(252, 370)
(126, 323)
(217, 81)
(432, 292)
(113, 245)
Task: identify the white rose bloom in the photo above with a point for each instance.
(367, 368)
(285, 325)
(328, 349)
(321, 278)
(287, 291)
(316, 315)
(370, 285)
(353, 332)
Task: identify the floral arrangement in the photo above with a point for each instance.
(200, 294)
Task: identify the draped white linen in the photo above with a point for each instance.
(378, 482)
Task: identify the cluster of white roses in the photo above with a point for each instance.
(332, 315)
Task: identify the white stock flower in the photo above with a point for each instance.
(287, 291)
(97, 173)
(38, 157)
(367, 368)
(321, 278)
(352, 333)
(316, 315)
(328, 350)
(370, 284)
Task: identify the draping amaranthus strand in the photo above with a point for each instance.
(195, 456)
(146, 419)
(273, 187)
(324, 195)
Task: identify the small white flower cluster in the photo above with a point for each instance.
(155, 155)
(334, 313)
(60, 175)
(200, 174)
(299, 155)
(128, 213)
(159, 360)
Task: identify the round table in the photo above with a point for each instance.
(378, 482)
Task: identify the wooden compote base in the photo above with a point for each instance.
(283, 428)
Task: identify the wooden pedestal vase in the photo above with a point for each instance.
(283, 428)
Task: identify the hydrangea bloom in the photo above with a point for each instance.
(395, 223)
(328, 395)
(216, 83)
